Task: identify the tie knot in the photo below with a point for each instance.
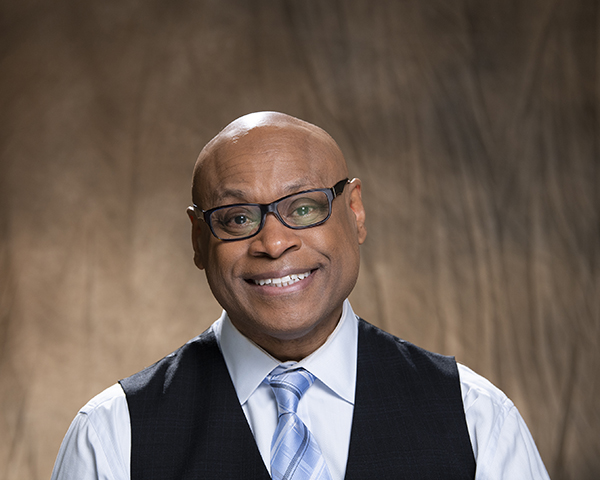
(289, 386)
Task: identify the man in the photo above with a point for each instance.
(289, 382)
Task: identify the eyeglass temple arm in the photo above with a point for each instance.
(338, 188)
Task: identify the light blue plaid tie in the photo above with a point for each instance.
(295, 454)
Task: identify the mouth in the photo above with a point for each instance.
(284, 281)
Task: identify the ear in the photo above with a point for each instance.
(197, 226)
(358, 209)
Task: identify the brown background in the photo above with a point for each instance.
(473, 125)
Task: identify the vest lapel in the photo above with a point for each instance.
(408, 415)
(186, 419)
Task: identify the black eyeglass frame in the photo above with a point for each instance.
(266, 208)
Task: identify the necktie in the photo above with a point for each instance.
(295, 454)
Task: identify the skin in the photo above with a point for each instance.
(259, 158)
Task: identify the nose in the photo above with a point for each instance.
(274, 239)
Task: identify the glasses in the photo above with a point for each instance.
(296, 211)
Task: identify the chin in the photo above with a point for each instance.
(296, 326)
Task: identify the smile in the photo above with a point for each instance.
(283, 281)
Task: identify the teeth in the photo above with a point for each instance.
(283, 281)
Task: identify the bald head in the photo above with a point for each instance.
(263, 133)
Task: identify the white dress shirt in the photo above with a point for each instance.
(98, 442)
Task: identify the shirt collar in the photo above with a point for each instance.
(334, 363)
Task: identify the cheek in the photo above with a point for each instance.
(220, 280)
(223, 261)
(340, 246)
(214, 266)
(345, 234)
(345, 248)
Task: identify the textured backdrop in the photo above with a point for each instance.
(473, 125)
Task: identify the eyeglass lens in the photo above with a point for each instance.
(297, 211)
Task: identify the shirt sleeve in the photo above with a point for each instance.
(97, 445)
(503, 447)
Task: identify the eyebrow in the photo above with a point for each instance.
(234, 193)
(239, 195)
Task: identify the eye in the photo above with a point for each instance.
(239, 219)
(303, 210)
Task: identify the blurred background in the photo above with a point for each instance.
(473, 125)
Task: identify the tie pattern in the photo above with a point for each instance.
(295, 454)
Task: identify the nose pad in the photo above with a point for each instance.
(274, 239)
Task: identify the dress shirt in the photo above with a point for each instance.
(98, 442)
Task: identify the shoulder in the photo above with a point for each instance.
(97, 443)
(106, 416)
(501, 441)
(487, 409)
(478, 391)
(104, 402)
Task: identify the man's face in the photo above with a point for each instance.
(261, 166)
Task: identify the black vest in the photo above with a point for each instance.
(408, 423)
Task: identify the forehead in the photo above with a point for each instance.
(266, 163)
